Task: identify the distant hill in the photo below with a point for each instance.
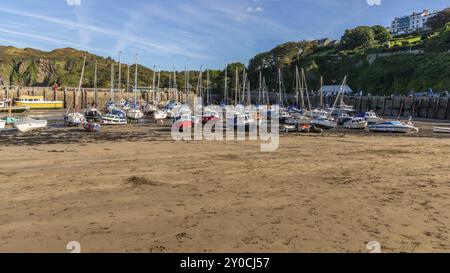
(371, 59)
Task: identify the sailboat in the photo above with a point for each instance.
(326, 121)
(135, 113)
(75, 118)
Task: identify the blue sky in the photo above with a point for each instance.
(167, 33)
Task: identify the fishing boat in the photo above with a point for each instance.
(5, 107)
(92, 127)
(371, 117)
(29, 124)
(38, 102)
(394, 127)
(2, 124)
(441, 130)
(325, 123)
(356, 123)
(92, 114)
(115, 117)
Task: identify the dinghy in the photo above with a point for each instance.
(441, 130)
(29, 124)
(394, 127)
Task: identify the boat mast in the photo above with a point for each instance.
(128, 79)
(244, 81)
(208, 99)
(120, 75)
(112, 80)
(306, 89)
(249, 95)
(226, 85)
(135, 82)
(175, 83)
(79, 85)
(95, 83)
(339, 93)
(321, 92)
(279, 87)
(153, 82)
(259, 87)
(236, 87)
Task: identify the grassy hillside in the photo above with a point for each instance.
(373, 61)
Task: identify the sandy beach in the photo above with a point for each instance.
(140, 191)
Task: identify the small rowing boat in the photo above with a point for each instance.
(441, 130)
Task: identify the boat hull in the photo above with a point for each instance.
(393, 129)
(113, 120)
(30, 126)
(135, 114)
(15, 109)
(41, 105)
(2, 124)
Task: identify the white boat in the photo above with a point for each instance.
(150, 108)
(74, 119)
(325, 122)
(394, 127)
(356, 123)
(135, 114)
(441, 130)
(115, 117)
(159, 115)
(317, 113)
(28, 124)
(371, 117)
(2, 124)
(298, 120)
(242, 121)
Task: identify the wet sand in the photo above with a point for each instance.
(133, 189)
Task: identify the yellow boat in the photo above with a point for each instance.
(38, 102)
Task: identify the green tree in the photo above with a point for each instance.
(382, 35)
(358, 37)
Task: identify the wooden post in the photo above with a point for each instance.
(447, 110)
(65, 98)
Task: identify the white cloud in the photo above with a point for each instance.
(374, 2)
(73, 2)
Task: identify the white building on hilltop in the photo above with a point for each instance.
(411, 23)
